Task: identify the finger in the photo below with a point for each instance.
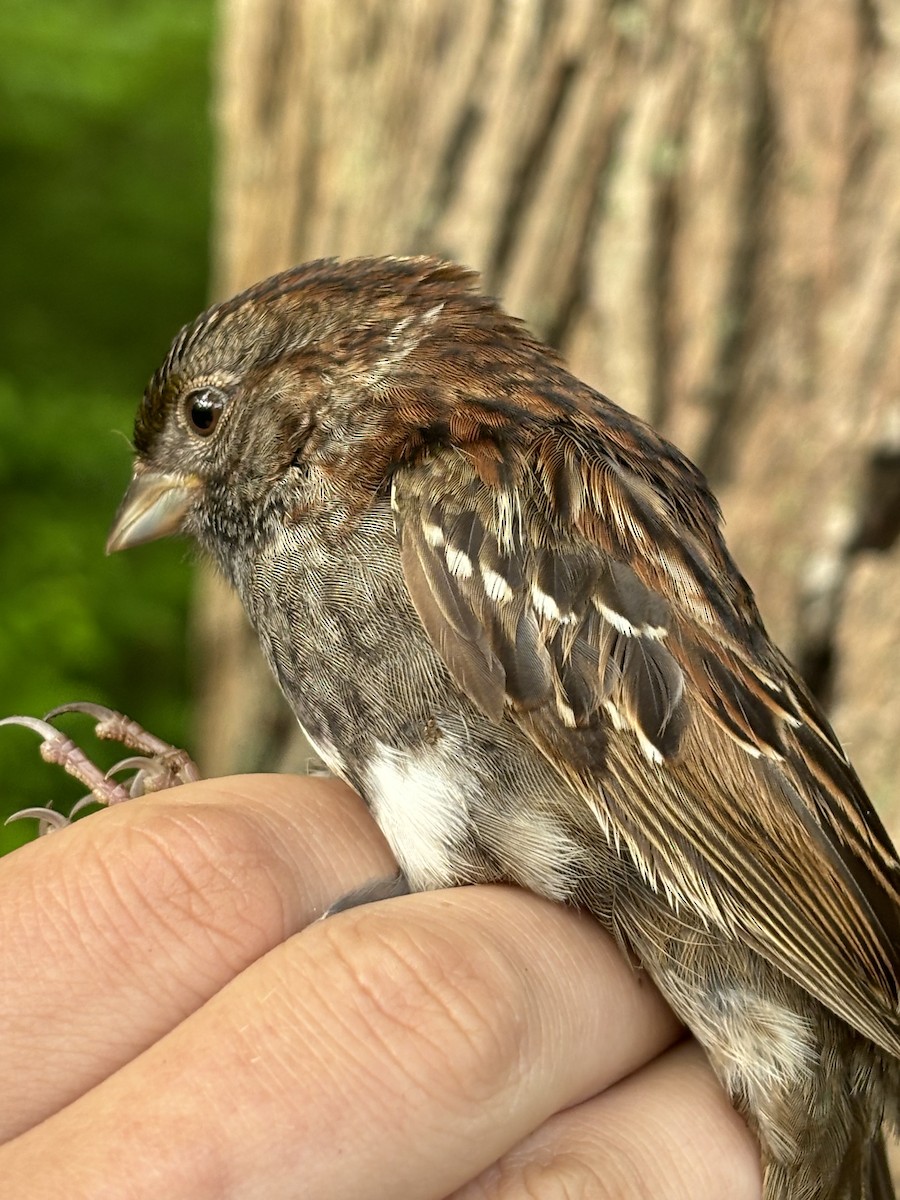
(116, 928)
(667, 1131)
(397, 1050)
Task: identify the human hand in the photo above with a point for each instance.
(176, 1022)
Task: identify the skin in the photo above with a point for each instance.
(177, 1022)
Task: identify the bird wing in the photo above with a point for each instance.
(593, 600)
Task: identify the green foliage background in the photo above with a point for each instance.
(105, 152)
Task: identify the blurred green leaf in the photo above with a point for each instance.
(106, 151)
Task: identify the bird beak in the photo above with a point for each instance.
(154, 506)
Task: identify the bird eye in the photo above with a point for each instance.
(203, 408)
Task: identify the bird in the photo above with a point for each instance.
(502, 609)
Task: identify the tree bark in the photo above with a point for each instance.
(699, 203)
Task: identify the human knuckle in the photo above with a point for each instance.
(192, 866)
(441, 1008)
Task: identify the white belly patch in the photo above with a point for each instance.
(421, 801)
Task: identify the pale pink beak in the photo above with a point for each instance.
(154, 506)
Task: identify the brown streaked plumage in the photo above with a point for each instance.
(503, 610)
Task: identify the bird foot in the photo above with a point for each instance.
(157, 765)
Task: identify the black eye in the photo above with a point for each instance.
(202, 408)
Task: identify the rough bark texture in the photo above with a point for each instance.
(698, 201)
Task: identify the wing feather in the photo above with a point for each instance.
(595, 607)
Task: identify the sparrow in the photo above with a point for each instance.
(502, 610)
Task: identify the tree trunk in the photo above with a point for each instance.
(698, 202)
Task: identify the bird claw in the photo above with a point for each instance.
(48, 818)
(60, 750)
(158, 766)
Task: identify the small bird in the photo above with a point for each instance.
(502, 609)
